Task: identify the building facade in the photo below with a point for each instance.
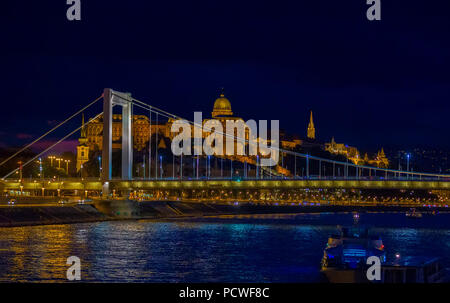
(353, 154)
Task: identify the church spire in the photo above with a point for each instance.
(83, 136)
(311, 129)
(83, 129)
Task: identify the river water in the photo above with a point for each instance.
(263, 248)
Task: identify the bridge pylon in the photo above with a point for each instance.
(110, 99)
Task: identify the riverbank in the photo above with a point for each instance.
(23, 215)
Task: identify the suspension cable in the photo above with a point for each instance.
(50, 131)
(347, 164)
(53, 145)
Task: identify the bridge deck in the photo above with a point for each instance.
(224, 184)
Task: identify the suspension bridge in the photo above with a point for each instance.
(193, 178)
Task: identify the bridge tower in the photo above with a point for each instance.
(110, 99)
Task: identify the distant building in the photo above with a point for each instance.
(82, 148)
(290, 144)
(380, 160)
(352, 153)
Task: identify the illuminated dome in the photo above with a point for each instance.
(222, 107)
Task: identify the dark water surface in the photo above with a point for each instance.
(265, 248)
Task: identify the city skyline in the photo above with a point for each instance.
(279, 70)
(19, 139)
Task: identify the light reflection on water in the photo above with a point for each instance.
(265, 248)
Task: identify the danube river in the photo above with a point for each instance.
(265, 248)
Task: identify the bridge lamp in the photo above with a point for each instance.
(100, 165)
(208, 168)
(40, 167)
(67, 166)
(408, 156)
(59, 162)
(160, 167)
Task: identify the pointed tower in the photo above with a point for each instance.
(311, 129)
(384, 161)
(366, 158)
(82, 148)
(82, 138)
(333, 144)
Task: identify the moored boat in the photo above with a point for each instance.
(345, 256)
(345, 261)
(413, 214)
(413, 270)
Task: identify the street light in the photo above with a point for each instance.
(181, 166)
(20, 169)
(51, 159)
(67, 166)
(257, 166)
(160, 167)
(40, 168)
(59, 162)
(143, 166)
(100, 165)
(407, 164)
(208, 166)
(407, 161)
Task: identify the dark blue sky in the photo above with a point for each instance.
(370, 84)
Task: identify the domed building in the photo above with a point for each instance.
(222, 107)
(220, 115)
(222, 112)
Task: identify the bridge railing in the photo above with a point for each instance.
(237, 179)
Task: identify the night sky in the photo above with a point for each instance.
(369, 84)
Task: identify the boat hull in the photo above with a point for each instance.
(334, 275)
